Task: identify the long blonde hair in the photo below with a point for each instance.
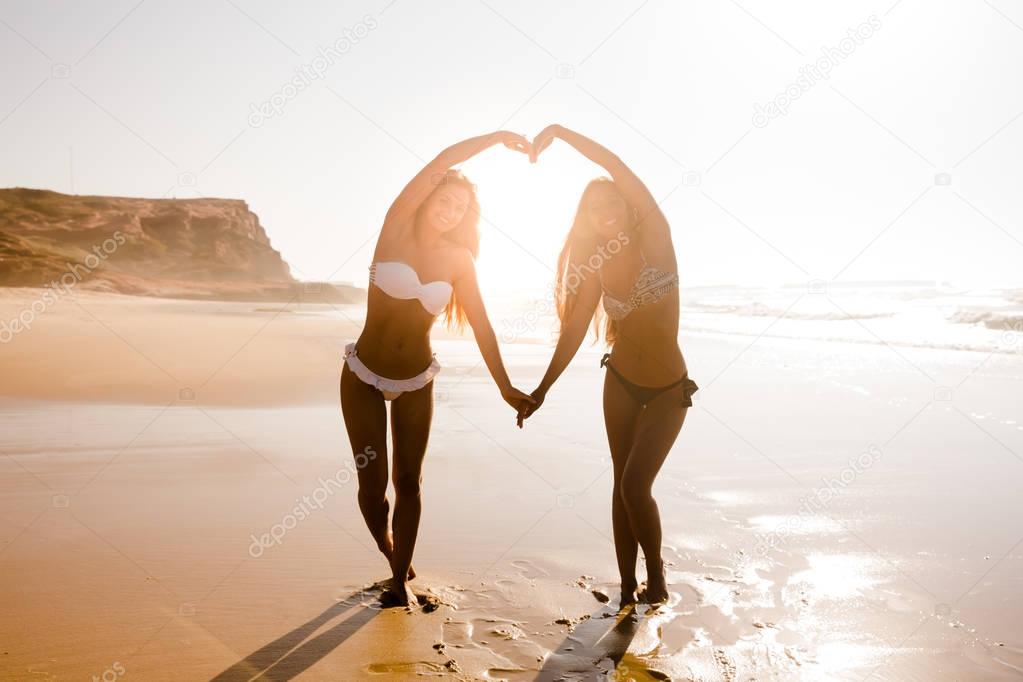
(465, 234)
(576, 255)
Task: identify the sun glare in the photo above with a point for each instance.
(527, 210)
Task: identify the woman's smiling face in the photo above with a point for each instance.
(446, 207)
(606, 210)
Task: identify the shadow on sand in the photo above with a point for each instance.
(604, 635)
(290, 654)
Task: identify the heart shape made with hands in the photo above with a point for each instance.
(531, 148)
(542, 140)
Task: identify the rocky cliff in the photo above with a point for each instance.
(180, 248)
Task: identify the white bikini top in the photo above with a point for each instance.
(400, 280)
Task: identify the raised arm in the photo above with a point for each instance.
(653, 226)
(573, 331)
(468, 292)
(424, 182)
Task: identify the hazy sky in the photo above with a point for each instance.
(156, 98)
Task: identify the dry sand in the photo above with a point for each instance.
(147, 444)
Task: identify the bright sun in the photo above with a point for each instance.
(526, 212)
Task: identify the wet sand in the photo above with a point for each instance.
(177, 502)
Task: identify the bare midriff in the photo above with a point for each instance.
(395, 342)
(646, 349)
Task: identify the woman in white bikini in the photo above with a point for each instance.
(423, 266)
(619, 250)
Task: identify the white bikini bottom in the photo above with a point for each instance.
(391, 388)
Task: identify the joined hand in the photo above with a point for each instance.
(526, 410)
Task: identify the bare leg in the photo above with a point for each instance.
(366, 421)
(411, 414)
(658, 427)
(621, 414)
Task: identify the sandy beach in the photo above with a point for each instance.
(178, 502)
(199, 203)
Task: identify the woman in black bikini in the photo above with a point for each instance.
(619, 249)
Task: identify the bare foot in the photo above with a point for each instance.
(656, 590)
(653, 596)
(398, 593)
(628, 594)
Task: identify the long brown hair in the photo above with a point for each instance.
(465, 234)
(577, 257)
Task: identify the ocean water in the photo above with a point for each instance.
(915, 314)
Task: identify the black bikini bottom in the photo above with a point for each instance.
(644, 394)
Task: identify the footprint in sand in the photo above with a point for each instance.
(725, 665)
(457, 633)
(506, 630)
(497, 644)
(599, 593)
(528, 570)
